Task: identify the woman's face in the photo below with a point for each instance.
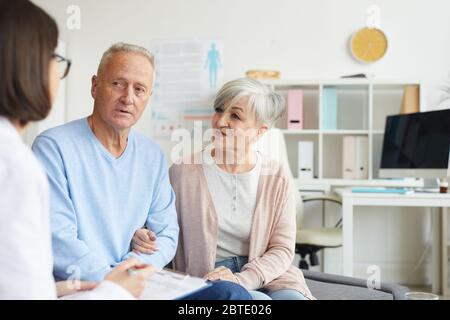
(54, 79)
(236, 127)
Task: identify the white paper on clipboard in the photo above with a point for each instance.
(169, 285)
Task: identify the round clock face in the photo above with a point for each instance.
(368, 44)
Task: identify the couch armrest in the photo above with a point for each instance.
(351, 288)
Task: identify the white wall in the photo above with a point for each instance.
(302, 39)
(57, 114)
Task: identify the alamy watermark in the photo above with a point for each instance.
(74, 279)
(74, 17)
(374, 279)
(232, 146)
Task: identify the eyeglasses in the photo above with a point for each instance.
(63, 65)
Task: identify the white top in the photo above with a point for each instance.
(26, 261)
(234, 198)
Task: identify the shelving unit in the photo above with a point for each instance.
(362, 108)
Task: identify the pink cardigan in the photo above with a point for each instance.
(272, 235)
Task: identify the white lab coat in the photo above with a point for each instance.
(26, 261)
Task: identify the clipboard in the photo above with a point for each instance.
(168, 284)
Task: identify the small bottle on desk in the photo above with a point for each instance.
(443, 187)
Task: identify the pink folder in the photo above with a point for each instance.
(295, 109)
(349, 157)
(355, 157)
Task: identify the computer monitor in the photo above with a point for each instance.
(416, 145)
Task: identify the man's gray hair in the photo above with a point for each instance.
(268, 105)
(125, 47)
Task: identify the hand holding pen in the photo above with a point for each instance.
(132, 275)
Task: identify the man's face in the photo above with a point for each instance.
(122, 89)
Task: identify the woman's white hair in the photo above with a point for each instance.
(267, 105)
(125, 47)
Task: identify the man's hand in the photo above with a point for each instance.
(222, 273)
(144, 241)
(65, 288)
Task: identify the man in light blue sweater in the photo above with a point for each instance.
(107, 181)
(98, 201)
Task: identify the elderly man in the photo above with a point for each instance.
(107, 180)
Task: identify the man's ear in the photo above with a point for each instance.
(94, 83)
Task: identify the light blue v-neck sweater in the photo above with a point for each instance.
(97, 202)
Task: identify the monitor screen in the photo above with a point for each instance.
(417, 141)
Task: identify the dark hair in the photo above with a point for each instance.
(28, 38)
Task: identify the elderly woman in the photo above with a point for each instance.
(236, 207)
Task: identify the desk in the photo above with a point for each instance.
(430, 200)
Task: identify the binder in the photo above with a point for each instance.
(329, 108)
(355, 160)
(411, 99)
(295, 109)
(382, 190)
(305, 160)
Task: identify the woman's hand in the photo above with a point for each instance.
(65, 288)
(136, 282)
(144, 241)
(222, 273)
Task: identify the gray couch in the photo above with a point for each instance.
(334, 287)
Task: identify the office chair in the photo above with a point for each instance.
(308, 241)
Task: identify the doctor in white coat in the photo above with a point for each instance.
(29, 76)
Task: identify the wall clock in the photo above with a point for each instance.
(368, 44)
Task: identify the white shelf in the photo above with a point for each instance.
(346, 132)
(317, 183)
(311, 131)
(306, 131)
(362, 107)
(331, 82)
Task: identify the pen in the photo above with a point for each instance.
(134, 270)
